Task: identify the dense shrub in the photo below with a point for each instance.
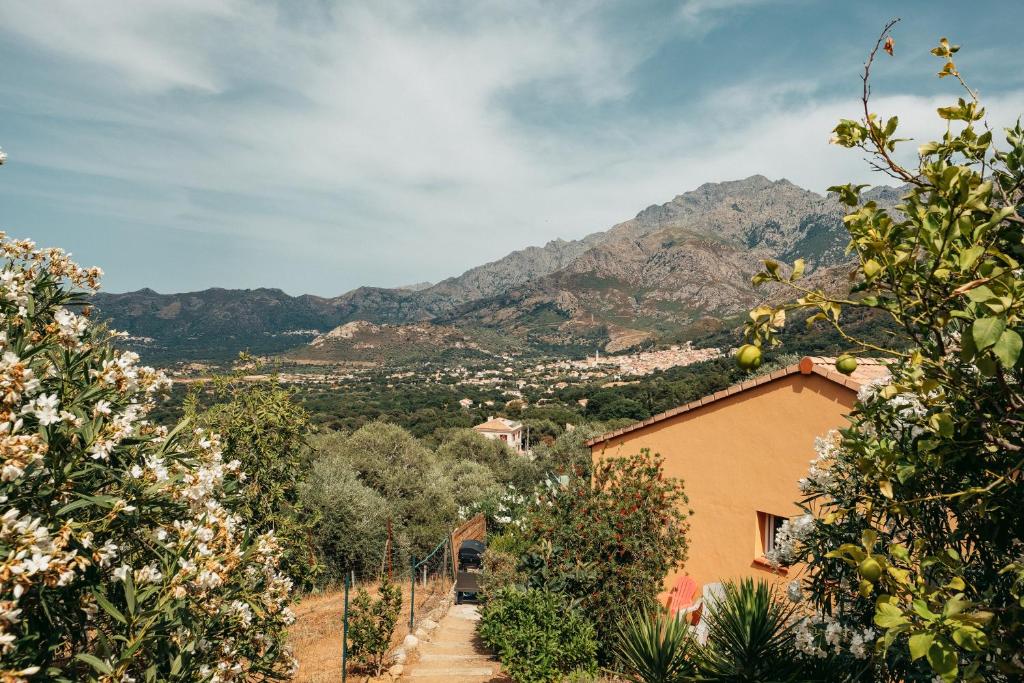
(459, 445)
(609, 541)
(124, 556)
(409, 476)
(351, 529)
(916, 511)
(263, 429)
(568, 453)
(371, 622)
(537, 635)
(500, 570)
(471, 482)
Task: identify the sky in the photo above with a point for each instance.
(320, 146)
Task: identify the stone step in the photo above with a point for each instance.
(454, 650)
(429, 657)
(454, 673)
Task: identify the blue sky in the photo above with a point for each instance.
(182, 144)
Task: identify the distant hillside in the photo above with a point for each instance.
(676, 270)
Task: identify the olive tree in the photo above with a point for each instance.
(915, 513)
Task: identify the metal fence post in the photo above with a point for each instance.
(412, 596)
(344, 637)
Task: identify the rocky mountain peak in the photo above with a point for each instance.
(671, 268)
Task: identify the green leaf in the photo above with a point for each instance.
(81, 502)
(943, 659)
(129, 593)
(921, 609)
(920, 643)
(109, 608)
(1008, 347)
(889, 616)
(980, 293)
(969, 256)
(942, 424)
(970, 638)
(986, 332)
(95, 662)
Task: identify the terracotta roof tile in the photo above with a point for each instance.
(497, 424)
(868, 370)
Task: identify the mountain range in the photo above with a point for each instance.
(675, 271)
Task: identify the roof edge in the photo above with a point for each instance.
(806, 366)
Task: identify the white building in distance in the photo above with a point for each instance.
(503, 429)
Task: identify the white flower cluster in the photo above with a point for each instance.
(823, 635)
(820, 475)
(511, 507)
(788, 540)
(75, 432)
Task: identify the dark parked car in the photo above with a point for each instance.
(467, 581)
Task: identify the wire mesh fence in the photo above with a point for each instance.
(433, 577)
(425, 582)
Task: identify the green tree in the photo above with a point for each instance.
(393, 463)
(264, 429)
(472, 446)
(351, 527)
(914, 513)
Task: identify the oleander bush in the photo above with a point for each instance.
(607, 541)
(124, 554)
(538, 635)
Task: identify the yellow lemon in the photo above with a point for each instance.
(748, 357)
(846, 364)
(870, 569)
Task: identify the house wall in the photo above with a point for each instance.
(738, 456)
(512, 438)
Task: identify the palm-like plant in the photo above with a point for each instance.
(750, 636)
(654, 647)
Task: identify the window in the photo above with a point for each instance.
(768, 525)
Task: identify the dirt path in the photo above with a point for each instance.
(454, 653)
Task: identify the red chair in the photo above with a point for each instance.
(681, 597)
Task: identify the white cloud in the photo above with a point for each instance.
(390, 134)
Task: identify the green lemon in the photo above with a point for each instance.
(748, 357)
(846, 364)
(870, 569)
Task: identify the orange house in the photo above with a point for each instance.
(740, 453)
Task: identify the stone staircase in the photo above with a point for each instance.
(454, 653)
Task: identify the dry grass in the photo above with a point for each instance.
(315, 637)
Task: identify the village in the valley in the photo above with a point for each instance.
(505, 374)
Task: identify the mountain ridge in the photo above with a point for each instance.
(667, 269)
